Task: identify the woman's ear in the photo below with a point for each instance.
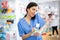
(27, 10)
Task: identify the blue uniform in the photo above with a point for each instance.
(25, 28)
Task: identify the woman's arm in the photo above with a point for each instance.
(28, 35)
(44, 27)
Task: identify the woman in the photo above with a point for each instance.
(27, 25)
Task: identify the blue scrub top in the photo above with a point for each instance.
(25, 28)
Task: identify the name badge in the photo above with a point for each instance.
(37, 25)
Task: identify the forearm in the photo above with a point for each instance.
(26, 35)
(44, 27)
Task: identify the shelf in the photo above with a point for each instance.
(7, 16)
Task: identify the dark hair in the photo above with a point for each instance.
(31, 4)
(50, 14)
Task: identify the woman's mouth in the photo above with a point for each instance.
(33, 15)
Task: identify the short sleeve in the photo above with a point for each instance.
(41, 20)
(20, 29)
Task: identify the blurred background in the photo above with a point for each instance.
(11, 11)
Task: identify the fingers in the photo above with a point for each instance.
(36, 34)
(33, 29)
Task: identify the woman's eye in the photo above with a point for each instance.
(33, 9)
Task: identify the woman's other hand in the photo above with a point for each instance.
(36, 34)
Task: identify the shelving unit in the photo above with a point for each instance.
(6, 19)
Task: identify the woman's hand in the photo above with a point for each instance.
(29, 34)
(36, 34)
(33, 29)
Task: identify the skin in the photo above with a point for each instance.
(32, 11)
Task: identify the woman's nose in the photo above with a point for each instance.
(34, 11)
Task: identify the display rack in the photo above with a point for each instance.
(7, 22)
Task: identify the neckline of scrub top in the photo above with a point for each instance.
(27, 22)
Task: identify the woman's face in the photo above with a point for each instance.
(32, 11)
